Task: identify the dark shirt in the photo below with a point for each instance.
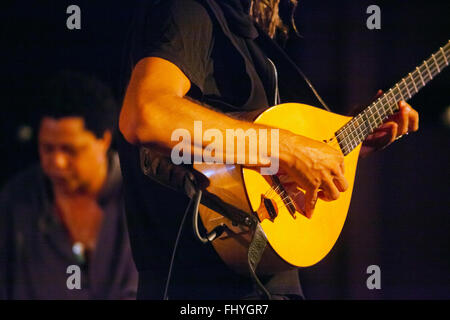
(225, 75)
(36, 250)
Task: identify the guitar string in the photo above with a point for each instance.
(275, 190)
(281, 202)
(283, 198)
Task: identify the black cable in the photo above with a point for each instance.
(215, 233)
(197, 197)
(175, 249)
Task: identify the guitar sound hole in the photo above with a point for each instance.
(270, 208)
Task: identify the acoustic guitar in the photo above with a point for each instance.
(296, 241)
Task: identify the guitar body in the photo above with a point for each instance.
(295, 241)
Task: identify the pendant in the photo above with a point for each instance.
(79, 252)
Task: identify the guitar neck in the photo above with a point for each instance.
(356, 130)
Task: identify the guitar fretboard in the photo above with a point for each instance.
(356, 130)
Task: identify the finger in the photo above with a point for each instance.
(330, 191)
(413, 121)
(296, 195)
(384, 126)
(341, 183)
(379, 94)
(382, 136)
(338, 170)
(391, 130)
(403, 118)
(386, 135)
(310, 201)
(342, 166)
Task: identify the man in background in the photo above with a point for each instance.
(62, 229)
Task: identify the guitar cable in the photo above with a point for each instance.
(210, 236)
(169, 275)
(216, 232)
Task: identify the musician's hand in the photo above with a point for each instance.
(402, 122)
(313, 166)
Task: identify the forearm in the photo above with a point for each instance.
(156, 120)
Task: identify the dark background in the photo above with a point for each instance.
(399, 216)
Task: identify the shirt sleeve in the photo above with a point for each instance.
(179, 31)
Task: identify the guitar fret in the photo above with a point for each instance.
(348, 137)
(420, 74)
(399, 91)
(393, 105)
(353, 131)
(349, 140)
(345, 137)
(367, 124)
(345, 148)
(435, 61)
(368, 120)
(443, 53)
(406, 86)
(375, 115)
(387, 104)
(428, 69)
(366, 130)
(414, 83)
(361, 129)
(380, 108)
(379, 116)
(373, 118)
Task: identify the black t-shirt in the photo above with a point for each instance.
(224, 74)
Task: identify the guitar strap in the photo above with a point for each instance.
(255, 252)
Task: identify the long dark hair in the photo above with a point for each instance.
(276, 17)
